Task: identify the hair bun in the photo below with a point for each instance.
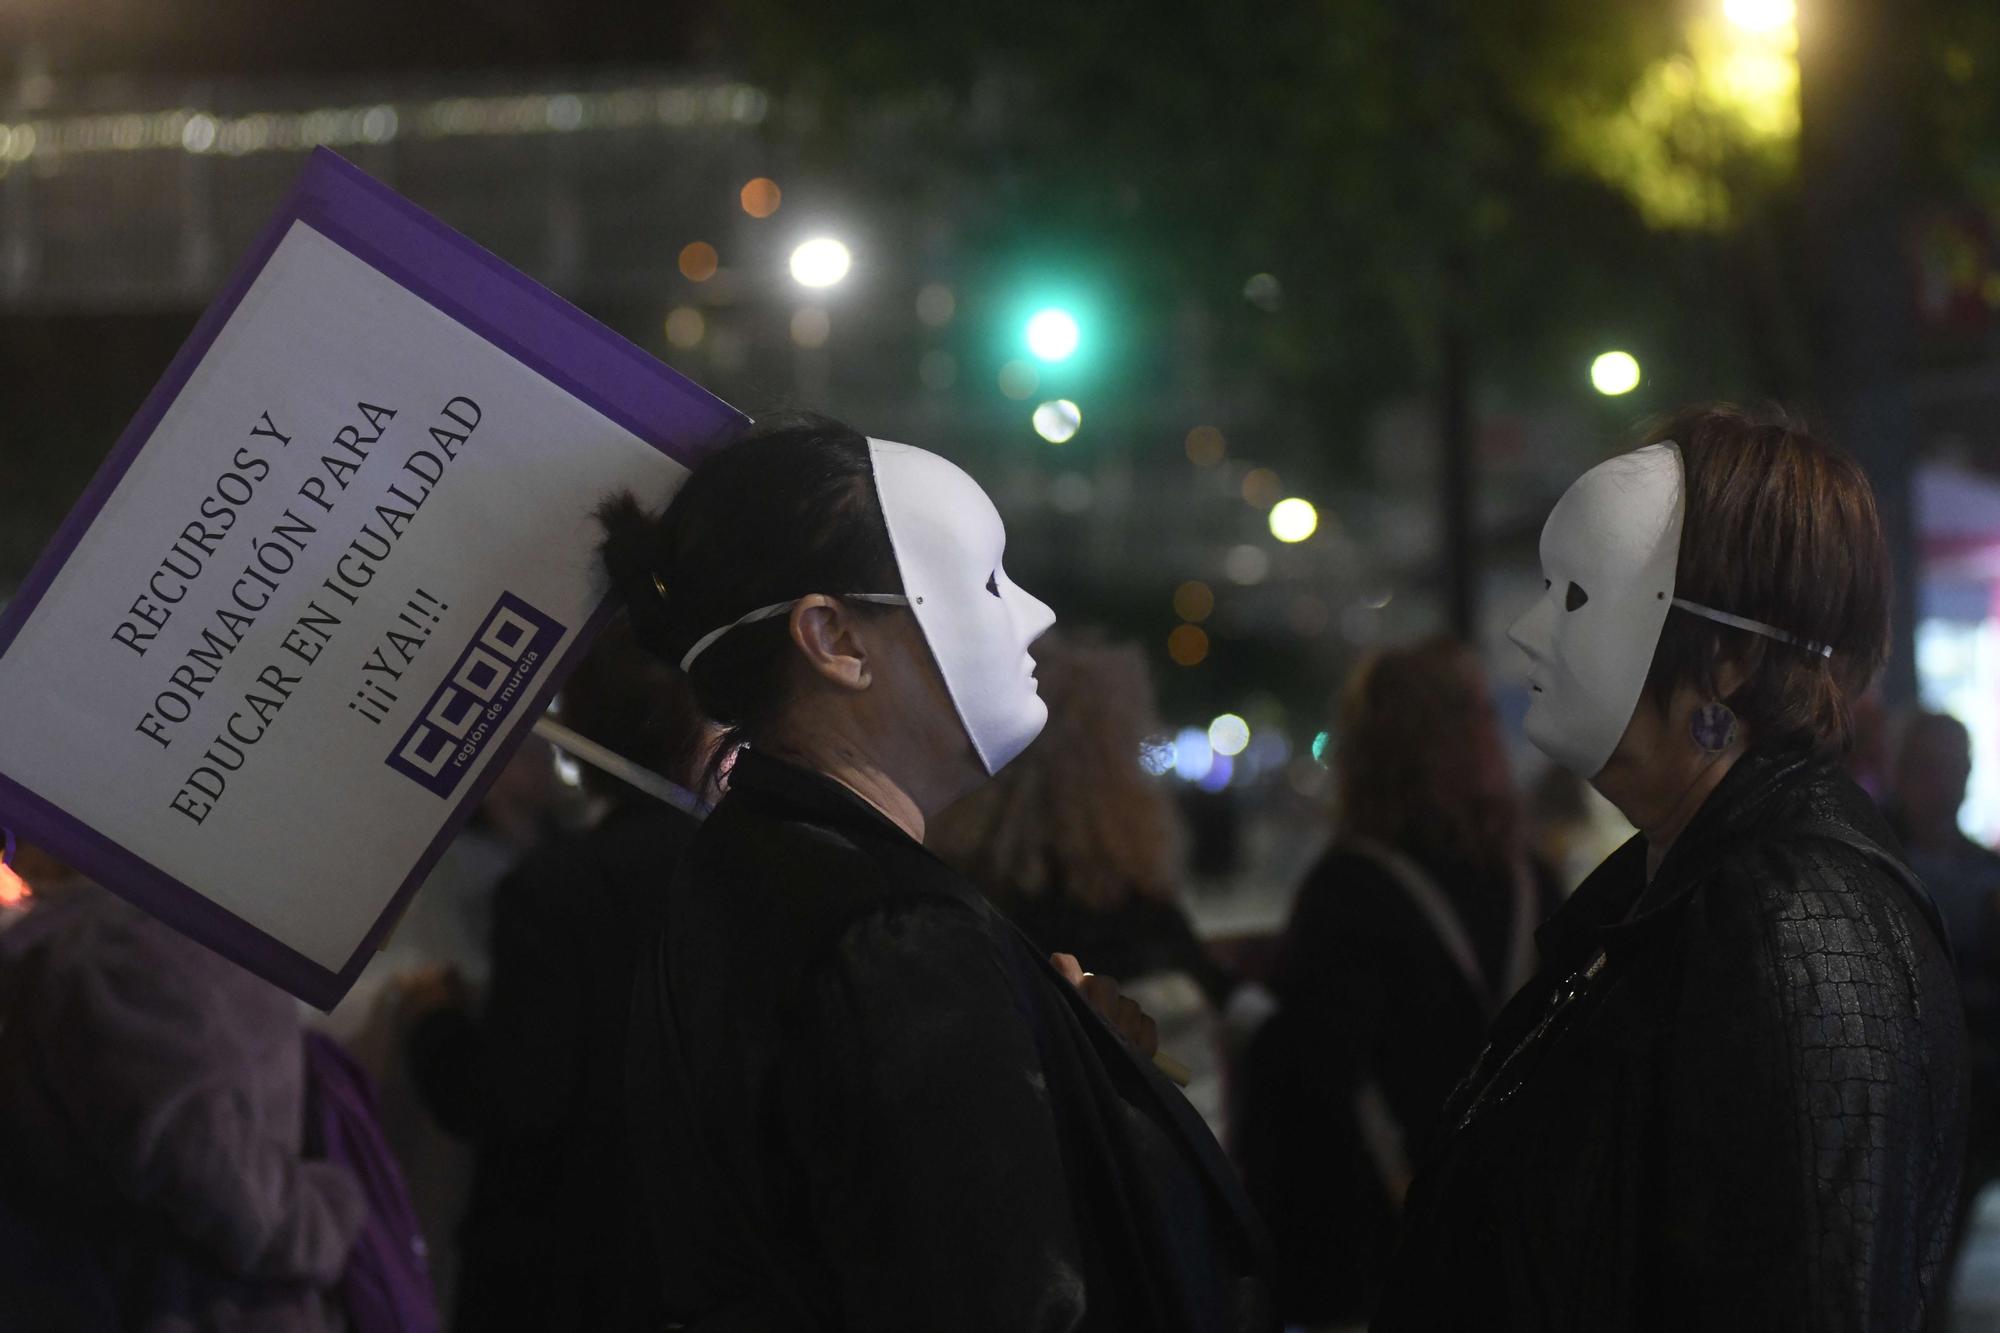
(631, 559)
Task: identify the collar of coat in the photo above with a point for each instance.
(1771, 792)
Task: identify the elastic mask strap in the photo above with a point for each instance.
(1754, 626)
(703, 644)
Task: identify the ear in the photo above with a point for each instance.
(827, 634)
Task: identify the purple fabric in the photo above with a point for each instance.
(387, 1285)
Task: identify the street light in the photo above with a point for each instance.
(1761, 15)
(1614, 373)
(820, 262)
(1293, 520)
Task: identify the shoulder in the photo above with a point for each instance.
(1827, 929)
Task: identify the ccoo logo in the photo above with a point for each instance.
(514, 645)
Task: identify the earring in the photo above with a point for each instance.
(1713, 727)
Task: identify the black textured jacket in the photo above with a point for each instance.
(864, 1101)
(1750, 1115)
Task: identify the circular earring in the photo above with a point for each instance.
(1713, 727)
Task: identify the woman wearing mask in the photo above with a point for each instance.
(863, 1100)
(1732, 1097)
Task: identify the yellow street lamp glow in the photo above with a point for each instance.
(1228, 734)
(1761, 16)
(1058, 420)
(1614, 373)
(1052, 334)
(1294, 520)
(820, 262)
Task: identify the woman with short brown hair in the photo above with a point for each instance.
(1733, 1096)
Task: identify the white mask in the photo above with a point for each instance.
(948, 540)
(1608, 555)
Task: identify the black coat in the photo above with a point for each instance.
(865, 1101)
(1751, 1116)
(536, 1083)
(1370, 997)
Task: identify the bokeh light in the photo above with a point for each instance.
(761, 197)
(1613, 373)
(936, 304)
(811, 326)
(1261, 488)
(1192, 755)
(1188, 645)
(1320, 741)
(1293, 520)
(1194, 600)
(821, 262)
(1058, 420)
(1052, 334)
(699, 261)
(1205, 446)
(13, 889)
(1247, 565)
(1018, 379)
(938, 370)
(685, 327)
(1228, 734)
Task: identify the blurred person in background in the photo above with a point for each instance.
(446, 929)
(167, 1136)
(533, 1076)
(1733, 1096)
(1081, 848)
(1928, 781)
(1403, 942)
(863, 1100)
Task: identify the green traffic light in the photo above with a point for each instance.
(1052, 334)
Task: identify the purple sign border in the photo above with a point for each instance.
(502, 305)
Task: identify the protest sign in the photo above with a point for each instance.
(328, 577)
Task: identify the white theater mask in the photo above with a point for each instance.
(1609, 552)
(948, 540)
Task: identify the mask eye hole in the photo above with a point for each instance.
(1575, 598)
(993, 583)
(1546, 585)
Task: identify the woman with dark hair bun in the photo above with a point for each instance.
(1734, 1095)
(862, 1099)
